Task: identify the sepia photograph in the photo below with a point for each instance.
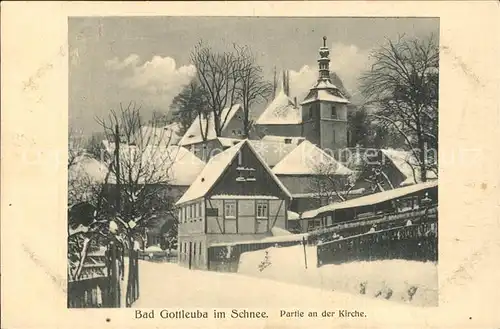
(220, 161)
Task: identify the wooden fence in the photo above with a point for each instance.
(133, 280)
(382, 222)
(413, 242)
(104, 291)
(356, 243)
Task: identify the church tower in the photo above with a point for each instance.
(324, 110)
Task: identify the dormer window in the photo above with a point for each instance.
(288, 141)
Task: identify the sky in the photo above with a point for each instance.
(116, 60)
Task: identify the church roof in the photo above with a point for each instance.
(193, 134)
(282, 110)
(307, 159)
(327, 95)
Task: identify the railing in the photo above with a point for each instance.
(383, 222)
(225, 258)
(414, 242)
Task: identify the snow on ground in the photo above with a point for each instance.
(395, 280)
(170, 285)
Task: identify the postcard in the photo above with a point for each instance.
(250, 165)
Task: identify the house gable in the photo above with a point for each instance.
(231, 118)
(248, 175)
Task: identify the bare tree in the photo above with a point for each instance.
(189, 104)
(217, 74)
(76, 145)
(252, 88)
(403, 87)
(327, 185)
(139, 173)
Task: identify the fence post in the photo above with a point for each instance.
(114, 277)
(137, 271)
(190, 252)
(305, 254)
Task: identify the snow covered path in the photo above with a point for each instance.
(170, 285)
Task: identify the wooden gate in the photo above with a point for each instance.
(102, 290)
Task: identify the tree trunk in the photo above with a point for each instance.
(129, 276)
(421, 154)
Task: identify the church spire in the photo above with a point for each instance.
(324, 62)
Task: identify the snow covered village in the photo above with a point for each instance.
(255, 174)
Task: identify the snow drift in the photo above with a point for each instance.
(396, 280)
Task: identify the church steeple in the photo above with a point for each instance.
(324, 62)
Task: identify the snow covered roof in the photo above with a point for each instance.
(168, 135)
(327, 95)
(228, 142)
(315, 195)
(282, 110)
(272, 151)
(371, 199)
(86, 167)
(270, 239)
(216, 167)
(324, 84)
(209, 175)
(406, 163)
(194, 134)
(292, 215)
(275, 138)
(306, 159)
(243, 197)
(174, 165)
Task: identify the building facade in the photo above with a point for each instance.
(235, 198)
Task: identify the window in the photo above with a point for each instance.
(288, 141)
(230, 209)
(262, 217)
(314, 224)
(311, 112)
(334, 112)
(262, 209)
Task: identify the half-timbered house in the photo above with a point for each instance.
(235, 198)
